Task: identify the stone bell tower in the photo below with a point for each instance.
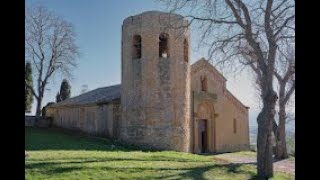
(155, 90)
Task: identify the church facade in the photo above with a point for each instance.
(163, 101)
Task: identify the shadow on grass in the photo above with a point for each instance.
(52, 139)
(63, 170)
(40, 163)
(158, 172)
(60, 139)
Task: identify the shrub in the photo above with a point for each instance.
(43, 111)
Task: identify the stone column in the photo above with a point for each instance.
(196, 136)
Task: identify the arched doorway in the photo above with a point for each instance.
(204, 128)
(203, 135)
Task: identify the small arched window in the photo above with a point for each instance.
(204, 85)
(136, 49)
(163, 45)
(186, 51)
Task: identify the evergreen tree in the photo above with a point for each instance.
(65, 90)
(28, 92)
(58, 98)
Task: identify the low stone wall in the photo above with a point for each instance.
(29, 121)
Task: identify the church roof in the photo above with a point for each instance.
(203, 63)
(100, 95)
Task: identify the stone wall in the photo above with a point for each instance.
(155, 94)
(29, 121)
(92, 119)
(226, 110)
(233, 112)
(43, 122)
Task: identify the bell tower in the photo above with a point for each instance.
(155, 90)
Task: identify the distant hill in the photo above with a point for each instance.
(290, 131)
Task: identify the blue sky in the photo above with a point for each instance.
(98, 27)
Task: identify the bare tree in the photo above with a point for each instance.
(50, 46)
(234, 29)
(284, 73)
(285, 76)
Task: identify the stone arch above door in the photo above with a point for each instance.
(204, 111)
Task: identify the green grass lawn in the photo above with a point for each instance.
(55, 154)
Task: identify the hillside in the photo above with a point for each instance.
(56, 154)
(290, 132)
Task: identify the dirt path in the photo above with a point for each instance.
(287, 165)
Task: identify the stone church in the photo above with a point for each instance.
(163, 101)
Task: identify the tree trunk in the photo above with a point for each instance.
(264, 140)
(274, 128)
(38, 110)
(281, 145)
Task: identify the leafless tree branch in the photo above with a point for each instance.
(253, 32)
(50, 43)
